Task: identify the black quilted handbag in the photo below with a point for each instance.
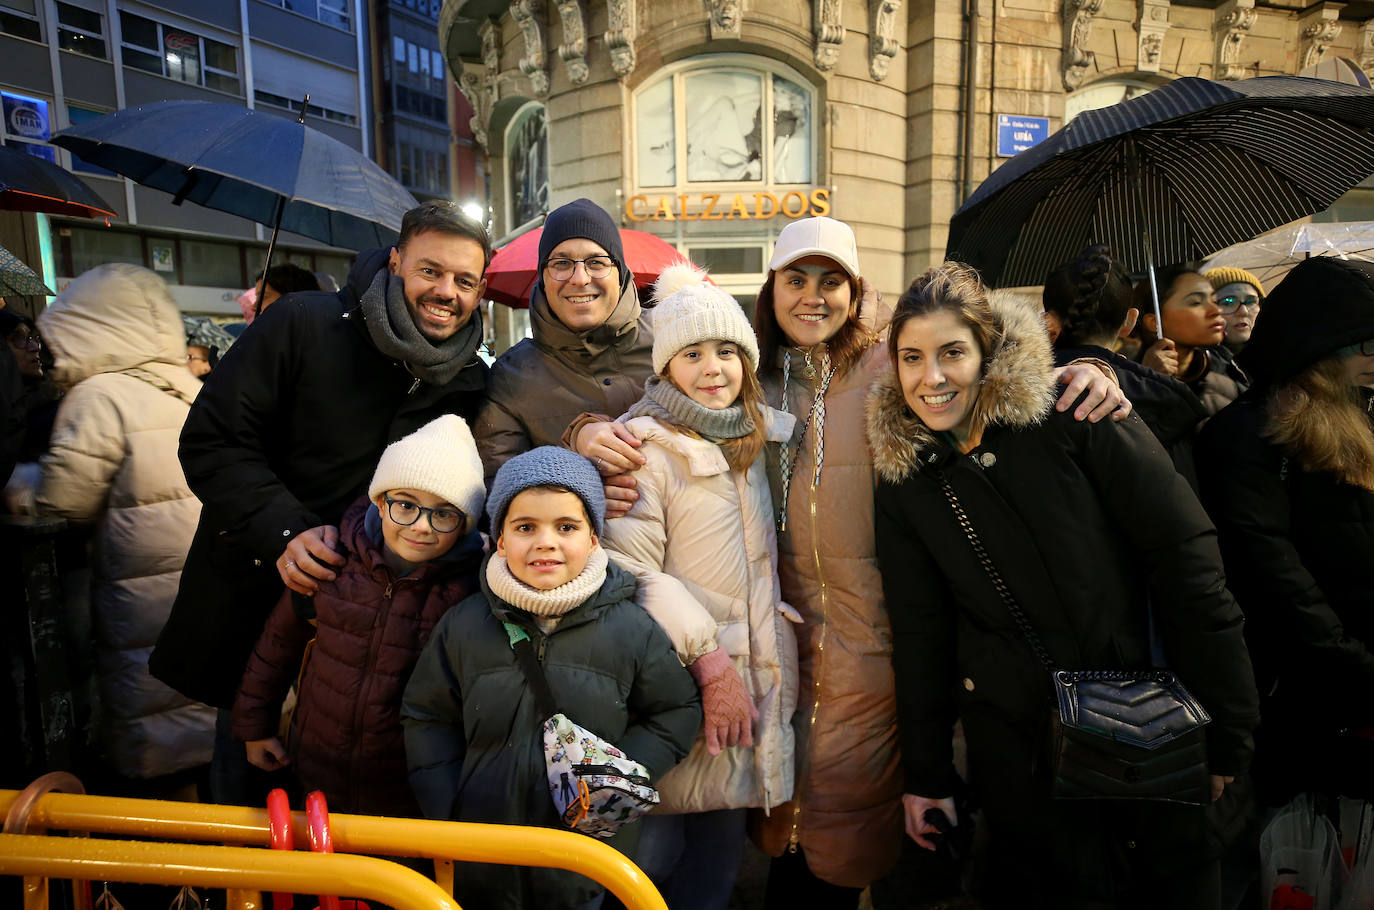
(1114, 734)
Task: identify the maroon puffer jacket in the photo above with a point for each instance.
(346, 734)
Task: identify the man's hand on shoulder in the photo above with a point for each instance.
(306, 560)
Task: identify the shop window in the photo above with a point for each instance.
(725, 119)
(80, 31)
(176, 53)
(527, 164)
(20, 18)
(211, 264)
(91, 248)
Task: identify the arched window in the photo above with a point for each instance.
(724, 119)
(527, 164)
(1104, 93)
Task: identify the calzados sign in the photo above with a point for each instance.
(715, 207)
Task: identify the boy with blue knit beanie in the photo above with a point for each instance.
(474, 740)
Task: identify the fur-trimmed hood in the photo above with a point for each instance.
(1018, 388)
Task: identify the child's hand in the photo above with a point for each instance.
(267, 754)
(727, 708)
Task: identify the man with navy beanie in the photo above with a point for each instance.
(591, 347)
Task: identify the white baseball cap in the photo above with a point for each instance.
(816, 236)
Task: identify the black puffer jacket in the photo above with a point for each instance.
(1299, 544)
(1169, 408)
(284, 436)
(1083, 521)
(472, 731)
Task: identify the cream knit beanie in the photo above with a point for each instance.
(439, 458)
(688, 310)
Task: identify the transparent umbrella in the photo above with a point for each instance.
(1270, 256)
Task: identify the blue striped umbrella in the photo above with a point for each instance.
(1197, 165)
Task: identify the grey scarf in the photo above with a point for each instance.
(393, 331)
(663, 400)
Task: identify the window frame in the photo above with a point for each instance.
(35, 17)
(160, 52)
(762, 67)
(77, 30)
(339, 8)
(507, 176)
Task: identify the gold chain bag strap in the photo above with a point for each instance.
(1114, 734)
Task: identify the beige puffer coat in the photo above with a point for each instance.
(847, 811)
(700, 540)
(118, 342)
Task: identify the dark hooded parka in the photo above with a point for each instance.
(284, 436)
(1298, 541)
(1084, 521)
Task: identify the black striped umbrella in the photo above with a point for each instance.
(1197, 164)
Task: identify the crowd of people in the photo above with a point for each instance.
(806, 570)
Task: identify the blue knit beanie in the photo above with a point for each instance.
(547, 466)
(583, 218)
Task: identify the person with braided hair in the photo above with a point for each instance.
(1088, 307)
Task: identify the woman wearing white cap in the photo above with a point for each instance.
(817, 321)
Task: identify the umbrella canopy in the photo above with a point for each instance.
(204, 331)
(31, 184)
(244, 162)
(1271, 256)
(1197, 164)
(515, 267)
(17, 278)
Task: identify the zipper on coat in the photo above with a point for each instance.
(373, 646)
(413, 386)
(803, 766)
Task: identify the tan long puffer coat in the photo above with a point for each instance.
(118, 342)
(700, 540)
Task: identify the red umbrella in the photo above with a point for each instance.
(515, 267)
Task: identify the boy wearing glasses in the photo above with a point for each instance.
(590, 348)
(412, 551)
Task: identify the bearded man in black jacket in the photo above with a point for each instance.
(288, 428)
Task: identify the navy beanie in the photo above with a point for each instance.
(547, 466)
(582, 218)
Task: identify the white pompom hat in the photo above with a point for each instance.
(689, 310)
(439, 458)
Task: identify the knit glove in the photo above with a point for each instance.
(728, 709)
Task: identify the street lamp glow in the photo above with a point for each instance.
(474, 210)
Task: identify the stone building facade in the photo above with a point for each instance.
(882, 113)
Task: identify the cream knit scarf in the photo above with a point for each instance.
(551, 603)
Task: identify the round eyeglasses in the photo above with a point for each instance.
(404, 512)
(596, 266)
(1231, 303)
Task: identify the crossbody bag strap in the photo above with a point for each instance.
(534, 673)
(1022, 623)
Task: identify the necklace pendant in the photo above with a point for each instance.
(809, 372)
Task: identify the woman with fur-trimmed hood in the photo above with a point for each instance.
(1085, 522)
(1288, 474)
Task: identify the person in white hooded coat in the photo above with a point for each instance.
(119, 346)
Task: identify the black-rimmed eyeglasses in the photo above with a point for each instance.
(404, 512)
(597, 267)
(1233, 302)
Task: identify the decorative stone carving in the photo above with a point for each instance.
(1364, 47)
(882, 46)
(825, 23)
(725, 18)
(573, 50)
(529, 15)
(1078, 24)
(1234, 19)
(1319, 28)
(478, 82)
(620, 36)
(1151, 26)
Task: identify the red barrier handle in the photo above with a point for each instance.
(279, 827)
(321, 840)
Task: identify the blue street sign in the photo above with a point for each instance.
(1016, 133)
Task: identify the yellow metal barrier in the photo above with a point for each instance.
(457, 841)
(220, 867)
